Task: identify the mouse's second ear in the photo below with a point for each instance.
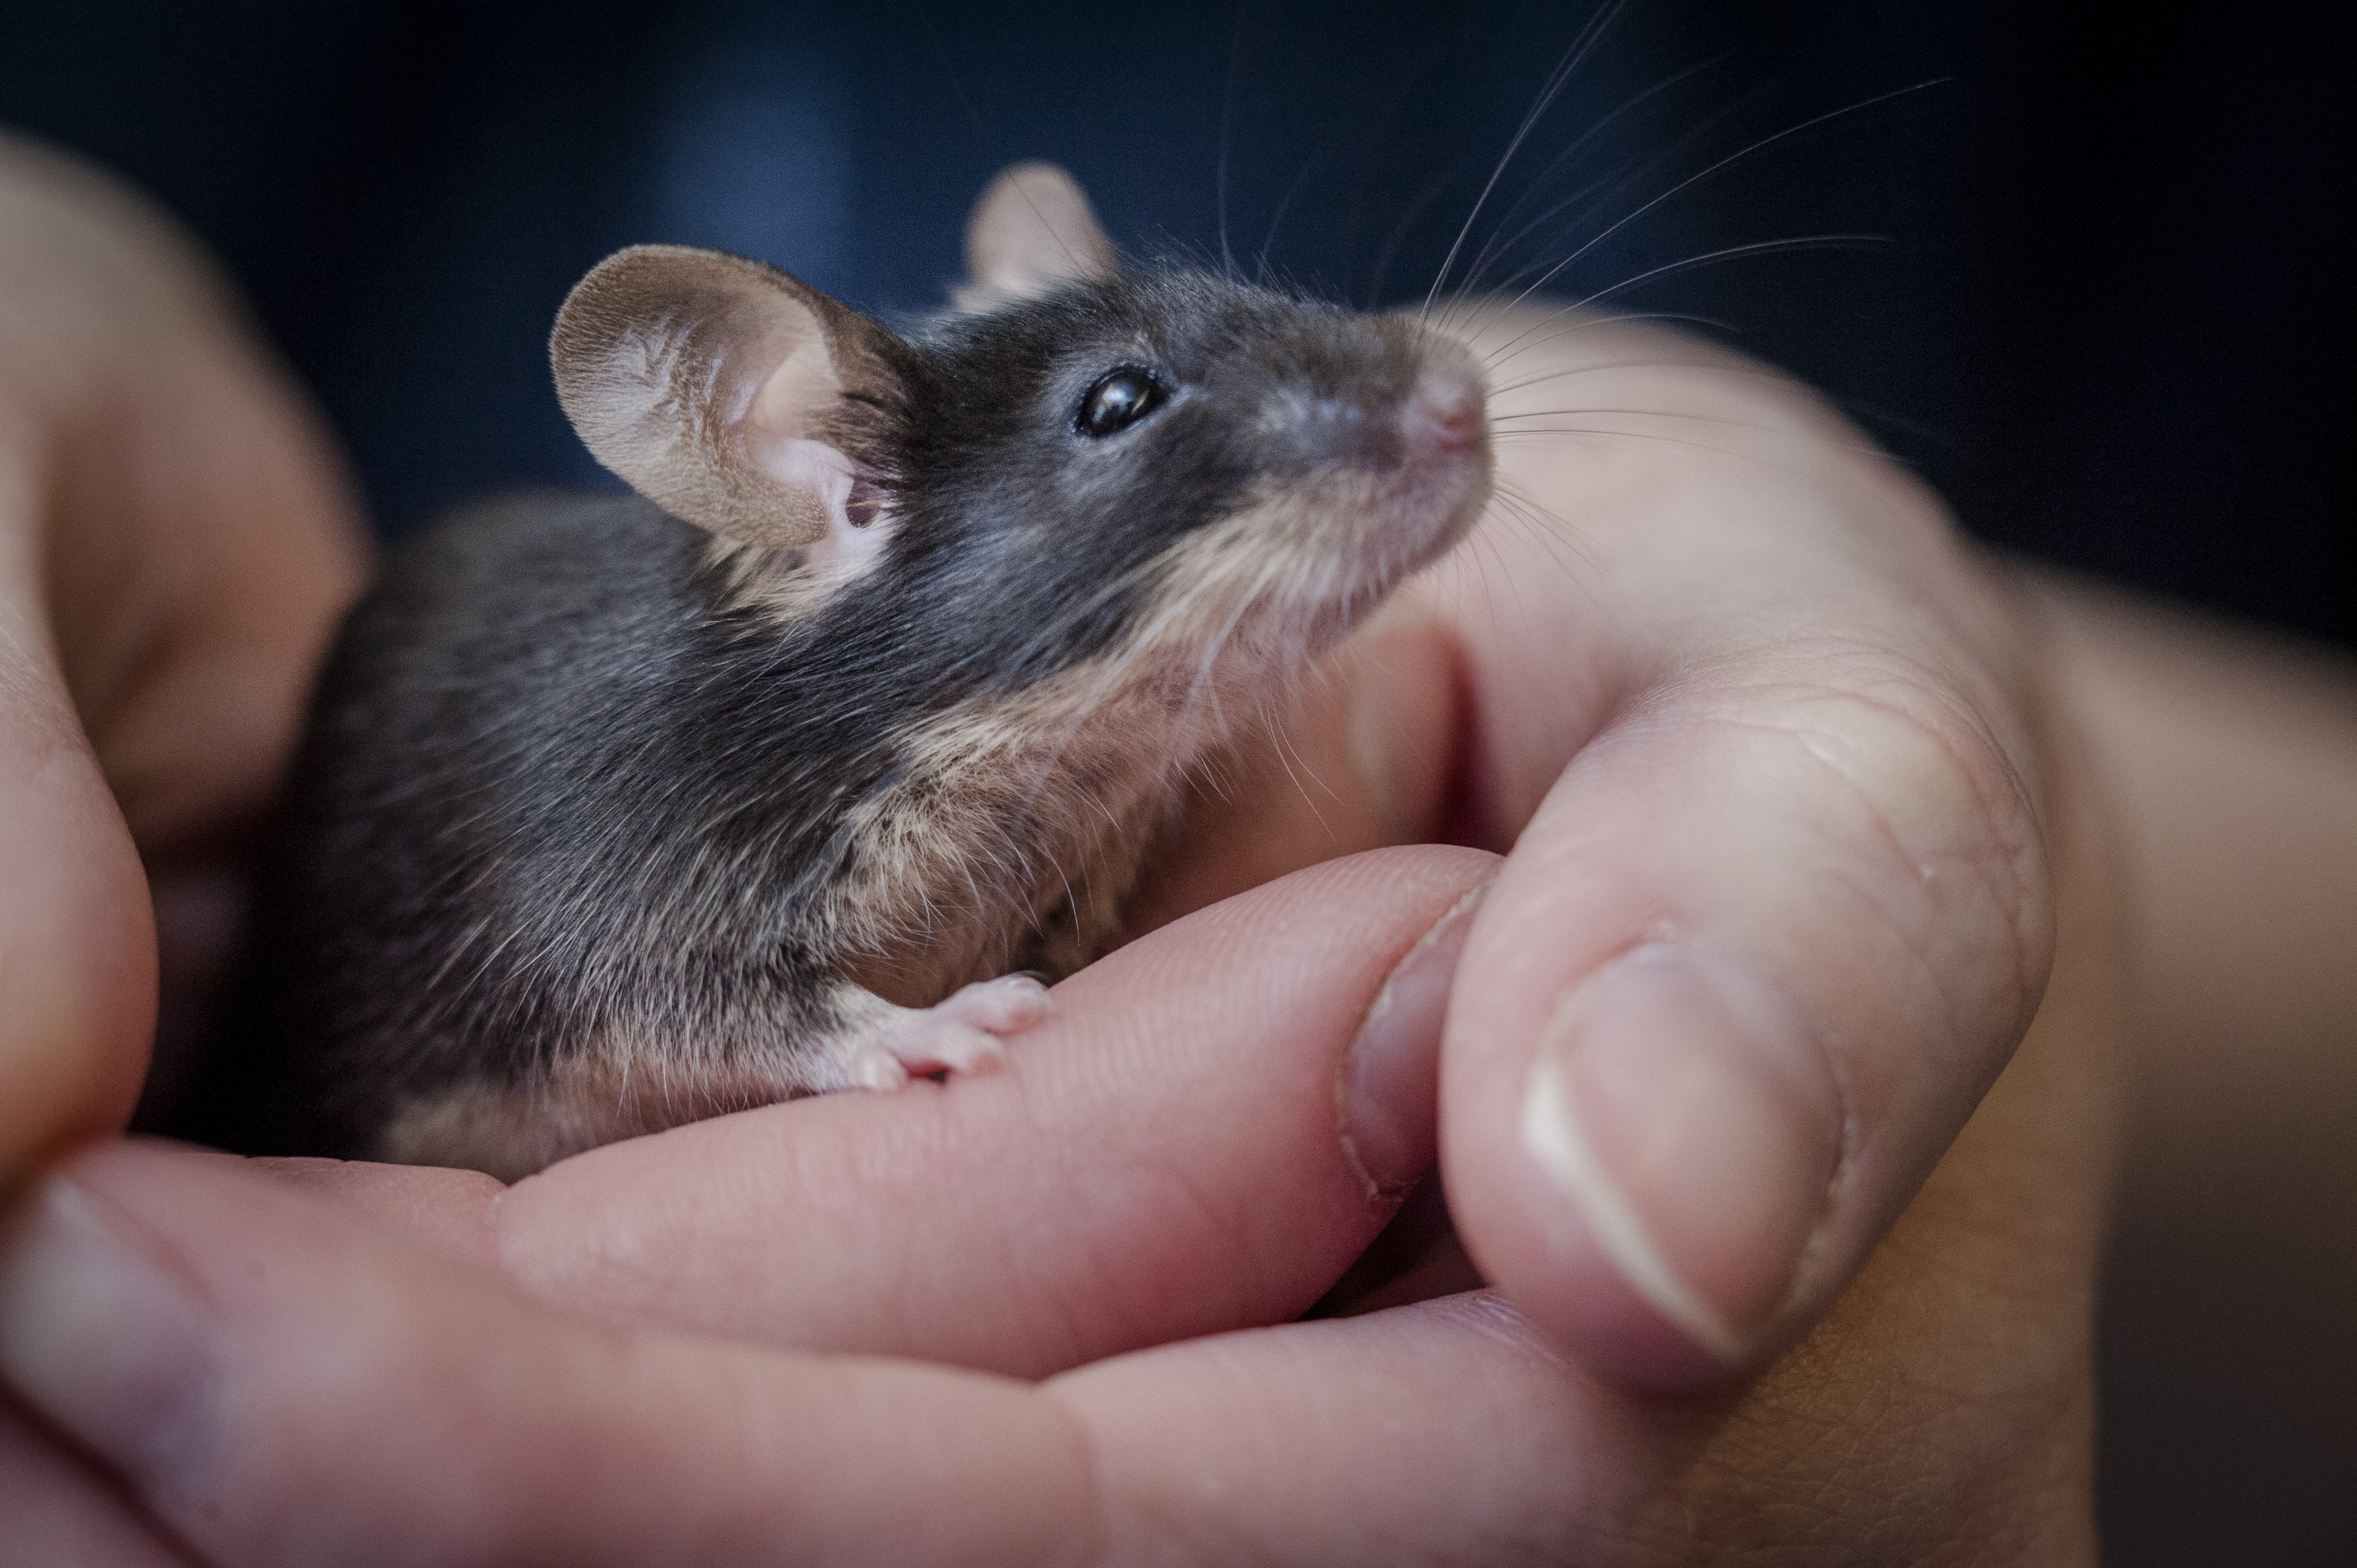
(717, 387)
(1032, 231)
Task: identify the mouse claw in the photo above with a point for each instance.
(1007, 1005)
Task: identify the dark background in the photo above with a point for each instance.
(2105, 323)
(2105, 312)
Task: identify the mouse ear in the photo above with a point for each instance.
(718, 388)
(1032, 231)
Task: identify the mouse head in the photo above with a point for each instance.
(743, 400)
(1056, 474)
(1170, 468)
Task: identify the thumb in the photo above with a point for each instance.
(1748, 972)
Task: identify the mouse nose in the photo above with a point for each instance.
(1443, 415)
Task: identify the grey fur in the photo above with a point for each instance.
(592, 807)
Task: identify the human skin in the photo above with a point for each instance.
(2230, 1386)
(1734, 695)
(177, 537)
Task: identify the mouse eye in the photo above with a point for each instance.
(1119, 400)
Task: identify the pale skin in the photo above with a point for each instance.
(1725, 684)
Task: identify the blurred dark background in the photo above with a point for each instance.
(2104, 311)
(2104, 322)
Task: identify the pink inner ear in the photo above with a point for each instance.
(803, 388)
(776, 435)
(827, 475)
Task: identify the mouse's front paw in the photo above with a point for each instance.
(1007, 1005)
(964, 1034)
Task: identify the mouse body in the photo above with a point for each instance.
(800, 770)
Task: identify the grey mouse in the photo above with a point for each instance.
(800, 770)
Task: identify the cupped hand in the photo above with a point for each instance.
(256, 1376)
(1764, 741)
(1768, 747)
(176, 540)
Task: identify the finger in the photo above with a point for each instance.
(1942, 1409)
(278, 1391)
(77, 942)
(202, 561)
(1203, 1136)
(60, 1514)
(214, 1338)
(203, 555)
(174, 538)
(1772, 930)
(1448, 1431)
(200, 553)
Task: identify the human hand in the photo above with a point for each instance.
(1760, 733)
(1768, 745)
(176, 539)
(1653, 645)
(275, 1381)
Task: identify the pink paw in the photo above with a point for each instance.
(960, 1035)
(1007, 1005)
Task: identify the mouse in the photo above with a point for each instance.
(811, 763)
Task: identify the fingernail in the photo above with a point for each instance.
(1387, 1094)
(1683, 1106)
(102, 1338)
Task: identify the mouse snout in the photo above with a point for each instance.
(1438, 417)
(1443, 416)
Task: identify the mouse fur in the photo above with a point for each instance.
(618, 811)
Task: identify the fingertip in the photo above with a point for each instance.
(1678, 1135)
(1386, 1094)
(77, 946)
(1744, 976)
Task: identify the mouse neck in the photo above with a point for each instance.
(1017, 826)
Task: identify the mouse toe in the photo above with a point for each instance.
(1007, 1005)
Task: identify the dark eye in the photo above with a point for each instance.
(1119, 400)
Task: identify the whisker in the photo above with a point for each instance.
(1581, 46)
(1565, 372)
(1278, 739)
(1633, 169)
(1390, 252)
(1635, 412)
(1473, 273)
(1753, 150)
(1666, 440)
(1523, 520)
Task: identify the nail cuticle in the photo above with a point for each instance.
(1424, 944)
(1386, 1085)
(106, 1339)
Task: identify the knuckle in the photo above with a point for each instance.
(1941, 821)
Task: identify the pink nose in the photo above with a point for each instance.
(1443, 416)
